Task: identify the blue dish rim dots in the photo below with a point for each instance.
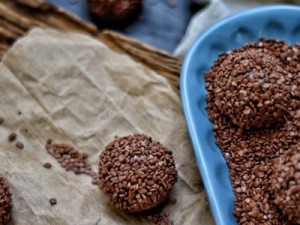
(270, 22)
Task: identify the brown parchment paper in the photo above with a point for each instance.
(74, 89)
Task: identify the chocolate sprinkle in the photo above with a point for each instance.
(47, 165)
(19, 145)
(286, 183)
(136, 173)
(53, 201)
(12, 137)
(5, 201)
(71, 159)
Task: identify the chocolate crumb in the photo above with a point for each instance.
(12, 137)
(47, 165)
(19, 113)
(19, 145)
(1, 120)
(53, 201)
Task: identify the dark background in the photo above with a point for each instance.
(162, 23)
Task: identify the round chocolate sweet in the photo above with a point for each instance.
(5, 201)
(250, 87)
(136, 173)
(114, 10)
(286, 183)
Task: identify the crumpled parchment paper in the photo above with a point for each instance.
(75, 90)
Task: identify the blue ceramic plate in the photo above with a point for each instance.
(276, 22)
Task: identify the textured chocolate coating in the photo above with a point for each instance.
(286, 183)
(250, 87)
(136, 173)
(5, 201)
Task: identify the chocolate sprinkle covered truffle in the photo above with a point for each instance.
(250, 87)
(250, 155)
(114, 10)
(136, 173)
(5, 201)
(286, 183)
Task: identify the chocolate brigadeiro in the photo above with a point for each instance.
(286, 183)
(115, 12)
(5, 201)
(136, 173)
(250, 87)
(250, 74)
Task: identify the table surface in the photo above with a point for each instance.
(162, 23)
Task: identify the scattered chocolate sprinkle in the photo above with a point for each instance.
(258, 76)
(19, 145)
(12, 137)
(286, 183)
(157, 215)
(19, 113)
(70, 158)
(5, 201)
(1, 120)
(53, 201)
(160, 218)
(47, 165)
(136, 173)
